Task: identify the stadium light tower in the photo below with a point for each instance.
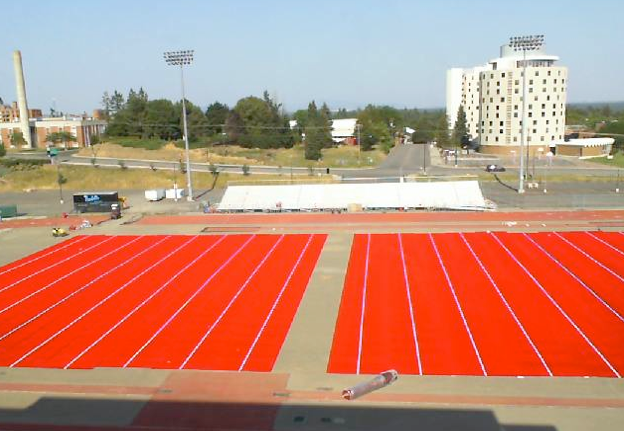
(182, 58)
(524, 44)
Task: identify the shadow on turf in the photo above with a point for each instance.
(79, 414)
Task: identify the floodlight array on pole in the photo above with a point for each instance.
(183, 58)
(524, 44)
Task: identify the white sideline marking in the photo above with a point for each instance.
(30, 295)
(509, 308)
(409, 302)
(277, 299)
(364, 289)
(60, 331)
(617, 250)
(17, 328)
(82, 238)
(229, 305)
(578, 280)
(145, 301)
(563, 313)
(590, 257)
(461, 311)
(179, 310)
(56, 264)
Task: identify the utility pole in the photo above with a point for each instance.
(359, 139)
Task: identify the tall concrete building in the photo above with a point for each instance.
(492, 99)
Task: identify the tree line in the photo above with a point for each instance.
(261, 122)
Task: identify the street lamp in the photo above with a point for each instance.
(182, 58)
(524, 44)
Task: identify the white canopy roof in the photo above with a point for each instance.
(461, 195)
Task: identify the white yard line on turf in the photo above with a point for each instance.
(68, 244)
(183, 306)
(459, 307)
(274, 306)
(30, 295)
(615, 249)
(575, 277)
(409, 302)
(509, 308)
(55, 264)
(589, 257)
(552, 300)
(363, 311)
(17, 328)
(229, 305)
(77, 319)
(145, 301)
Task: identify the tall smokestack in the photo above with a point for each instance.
(21, 97)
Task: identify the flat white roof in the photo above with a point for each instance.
(458, 195)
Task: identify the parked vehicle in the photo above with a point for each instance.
(494, 168)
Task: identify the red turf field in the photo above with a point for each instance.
(498, 304)
(201, 302)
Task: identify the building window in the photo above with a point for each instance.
(502, 99)
(530, 89)
(486, 138)
(537, 73)
(549, 73)
(490, 123)
(543, 106)
(547, 97)
(502, 123)
(496, 138)
(497, 115)
(563, 81)
(517, 82)
(516, 107)
(503, 74)
(530, 82)
(529, 139)
(534, 130)
(544, 82)
(530, 106)
(498, 83)
(530, 114)
(515, 139)
(515, 115)
(535, 122)
(516, 91)
(543, 114)
(497, 91)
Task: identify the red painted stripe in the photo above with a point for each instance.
(604, 284)
(33, 320)
(503, 347)
(230, 340)
(388, 339)
(67, 322)
(115, 349)
(559, 342)
(597, 250)
(265, 352)
(179, 337)
(55, 249)
(598, 323)
(344, 349)
(444, 343)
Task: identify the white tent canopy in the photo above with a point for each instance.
(457, 195)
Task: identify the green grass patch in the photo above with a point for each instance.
(617, 160)
(132, 142)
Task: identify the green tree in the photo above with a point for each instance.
(422, 136)
(17, 139)
(325, 125)
(161, 119)
(197, 123)
(313, 133)
(61, 137)
(234, 127)
(379, 126)
(441, 133)
(460, 130)
(2, 150)
(216, 115)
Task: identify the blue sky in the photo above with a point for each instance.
(345, 52)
